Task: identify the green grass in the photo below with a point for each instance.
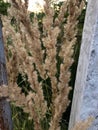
(20, 119)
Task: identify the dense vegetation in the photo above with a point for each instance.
(3, 7)
(20, 119)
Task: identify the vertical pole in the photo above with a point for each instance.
(5, 110)
(85, 99)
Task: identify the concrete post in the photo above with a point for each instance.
(85, 99)
(5, 110)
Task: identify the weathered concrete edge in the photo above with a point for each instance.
(5, 110)
(85, 51)
(3, 73)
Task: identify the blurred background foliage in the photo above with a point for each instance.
(3, 7)
(20, 119)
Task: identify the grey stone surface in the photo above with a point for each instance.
(89, 105)
(3, 73)
(5, 110)
(2, 58)
(85, 100)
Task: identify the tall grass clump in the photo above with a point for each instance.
(39, 50)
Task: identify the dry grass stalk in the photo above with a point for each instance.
(83, 125)
(26, 56)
